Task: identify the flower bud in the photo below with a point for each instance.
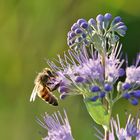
(94, 98)
(107, 16)
(79, 79)
(121, 72)
(63, 89)
(116, 20)
(100, 18)
(95, 89)
(136, 94)
(102, 94)
(126, 86)
(108, 87)
(126, 96)
(134, 101)
(80, 21)
(84, 25)
(92, 22)
(74, 27)
(78, 31)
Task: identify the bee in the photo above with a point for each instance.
(44, 86)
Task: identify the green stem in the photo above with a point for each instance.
(106, 135)
(106, 129)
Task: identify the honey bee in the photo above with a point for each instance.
(44, 85)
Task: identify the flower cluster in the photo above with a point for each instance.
(93, 67)
(131, 130)
(94, 71)
(86, 73)
(130, 88)
(57, 127)
(92, 31)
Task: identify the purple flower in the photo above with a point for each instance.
(79, 70)
(131, 130)
(132, 82)
(113, 65)
(84, 71)
(132, 96)
(97, 64)
(92, 67)
(133, 72)
(58, 128)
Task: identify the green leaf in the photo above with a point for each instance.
(98, 113)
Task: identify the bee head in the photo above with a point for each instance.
(44, 79)
(49, 72)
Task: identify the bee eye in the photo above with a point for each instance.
(45, 78)
(50, 73)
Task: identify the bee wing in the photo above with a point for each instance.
(34, 93)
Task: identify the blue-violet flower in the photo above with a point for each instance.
(129, 132)
(58, 128)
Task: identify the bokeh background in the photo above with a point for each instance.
(34, 30)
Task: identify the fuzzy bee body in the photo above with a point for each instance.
(44, 85)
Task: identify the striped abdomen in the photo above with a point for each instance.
(47, 96)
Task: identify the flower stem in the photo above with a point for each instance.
(109, 107)
(106, 135)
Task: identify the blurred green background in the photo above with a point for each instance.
(30, 32)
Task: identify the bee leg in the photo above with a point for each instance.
(55, 87)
